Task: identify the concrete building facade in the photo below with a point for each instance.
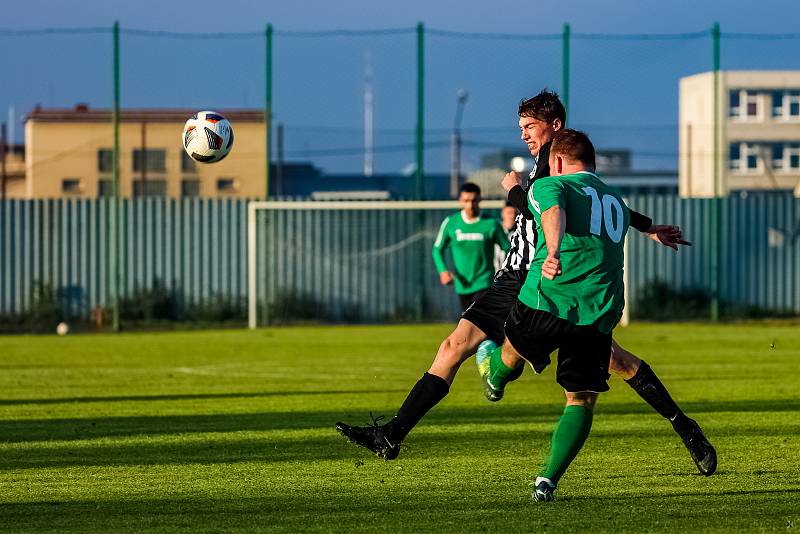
(68, 153)
(757, 131)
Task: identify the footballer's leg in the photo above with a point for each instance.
(384, 440)
(498, 373)
(568, 438)
(646, 384)
(583, 373)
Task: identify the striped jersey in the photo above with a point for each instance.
(523, 242)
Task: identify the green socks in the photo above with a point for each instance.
(499, 372)
(568, 438)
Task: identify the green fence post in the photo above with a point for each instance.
(420, 158)
(716, 259)
(420, 130)
(268, 161)
(115, 222)
(565, 67)
(268, 105)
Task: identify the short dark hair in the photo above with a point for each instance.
(574, 146)
(470, 187)
(546, 107)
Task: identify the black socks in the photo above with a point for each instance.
(649, 387)
(425, 394)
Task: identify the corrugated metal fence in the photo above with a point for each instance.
(369, 265)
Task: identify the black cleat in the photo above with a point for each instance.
(701, 450)
(370, 437)
(543, 490)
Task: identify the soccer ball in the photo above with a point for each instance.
(207, 137)
(62, 329)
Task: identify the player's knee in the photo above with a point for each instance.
(623, 363)
(587, 399)
(453, 348)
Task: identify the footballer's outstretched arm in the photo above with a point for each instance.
(554, 223)
(665, 234)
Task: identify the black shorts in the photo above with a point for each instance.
(583, 351)
(490, 310)
(467, 300)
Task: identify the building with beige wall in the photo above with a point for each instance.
(68, 153)
(758, 131)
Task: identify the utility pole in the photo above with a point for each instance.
(3, 176)
(369, 104)
(279, 166)
(455, 158)
(143, 159)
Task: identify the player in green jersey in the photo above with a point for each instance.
(472, 237)
(577, 297)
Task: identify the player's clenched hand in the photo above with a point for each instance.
(551, 267)
(446, 278)
(512, 179)
(668, 235)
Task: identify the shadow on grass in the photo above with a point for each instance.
(395, 509)
(212, 439)
(188, 396)
(214, 449)
(22, 430)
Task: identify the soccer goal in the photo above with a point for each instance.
(347, 261)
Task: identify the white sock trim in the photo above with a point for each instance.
(543, 479)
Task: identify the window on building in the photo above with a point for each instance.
(227, 186)
(791, 104)
(734, 104)
(777, 103)
(752, 161)
(752, 104)
(786, 104)
(744, 104)
(734, 157)
(150, 188)
(153, 159)
(105, 187)
(105, 160)
(792, 157)
(777, 156)
(187, 163)
(746, 157)
(190, 188)
(71, 186)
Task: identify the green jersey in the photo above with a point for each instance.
(472, 244)
(590, 289)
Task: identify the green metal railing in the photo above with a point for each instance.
(544, 59)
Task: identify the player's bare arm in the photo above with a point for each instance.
(554, 222)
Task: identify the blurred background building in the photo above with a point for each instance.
(758, 132)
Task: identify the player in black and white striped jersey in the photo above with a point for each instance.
(481, 327)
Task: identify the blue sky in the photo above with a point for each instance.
(623, 92)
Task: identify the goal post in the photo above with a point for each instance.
(254, 207)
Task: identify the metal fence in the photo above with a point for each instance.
(354, 266)
(388, 96)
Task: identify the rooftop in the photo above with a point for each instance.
(83, 113)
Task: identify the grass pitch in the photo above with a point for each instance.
(231, 430)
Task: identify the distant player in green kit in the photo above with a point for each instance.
(573, 296)
(472, 238)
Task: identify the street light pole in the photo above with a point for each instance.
(455, 156)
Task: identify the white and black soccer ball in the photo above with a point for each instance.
(207, 137)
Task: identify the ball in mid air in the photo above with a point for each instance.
(62, 329)
(207, 137)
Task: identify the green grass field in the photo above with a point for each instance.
(231, 430)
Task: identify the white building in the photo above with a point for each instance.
(758, 132)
